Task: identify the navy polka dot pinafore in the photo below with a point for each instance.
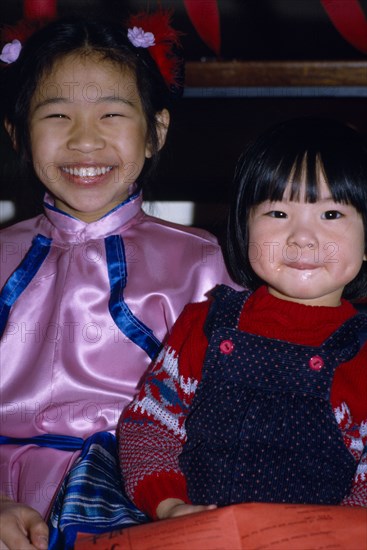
(261, 427)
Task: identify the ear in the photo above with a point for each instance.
(10, 130)
(162, 123)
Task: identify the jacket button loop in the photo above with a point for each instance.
(226, 346)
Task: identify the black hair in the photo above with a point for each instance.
(291, 152)
(74, 35)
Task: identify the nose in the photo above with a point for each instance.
(85, 137)
(302, 235)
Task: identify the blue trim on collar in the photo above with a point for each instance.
(22, 276)
(55, 209)
(129, 325)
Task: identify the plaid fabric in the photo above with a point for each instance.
(91, 498)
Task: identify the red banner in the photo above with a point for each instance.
(349, 19)
(204, 16)
(39, 9)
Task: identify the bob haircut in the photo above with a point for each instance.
(79, 36)
(292, 152)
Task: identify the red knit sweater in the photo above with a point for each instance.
(152, 430)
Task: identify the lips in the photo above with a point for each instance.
(86, 171)
(87, 175)
(303, 266)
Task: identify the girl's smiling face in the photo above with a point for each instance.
(306, 252)
(88, 134)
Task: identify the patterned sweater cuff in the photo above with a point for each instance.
(157, 488)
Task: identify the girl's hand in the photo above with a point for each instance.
(21, 527)
(173, 507)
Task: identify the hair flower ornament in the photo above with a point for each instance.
(154, 32)
(11, 51)
(139, 38)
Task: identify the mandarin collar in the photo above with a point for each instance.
(65, 228)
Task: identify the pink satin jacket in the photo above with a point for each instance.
(83, 308)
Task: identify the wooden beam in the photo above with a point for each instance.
(214, 74)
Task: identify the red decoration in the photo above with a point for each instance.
(36, 13)
(349, 19)
(204, 16)
(39, 9)
(166, 38)
(21, 31)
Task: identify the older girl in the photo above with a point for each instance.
(90, 287)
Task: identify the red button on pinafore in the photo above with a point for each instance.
(226, 346)
(316, 362)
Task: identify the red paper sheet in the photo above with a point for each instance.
(244, 527)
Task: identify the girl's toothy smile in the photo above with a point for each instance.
(87, 171)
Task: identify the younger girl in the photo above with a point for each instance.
(90, 287)
(261, 395)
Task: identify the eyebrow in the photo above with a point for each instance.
(102, 99)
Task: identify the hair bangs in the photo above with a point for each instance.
(297, 174)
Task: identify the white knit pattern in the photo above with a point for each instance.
(151, 407)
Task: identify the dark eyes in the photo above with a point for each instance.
(112, 115)
(328, 215)
(108, 115)
(276, 214)
(56, 115)
(331, 215)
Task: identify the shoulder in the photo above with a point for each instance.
(350, 384)
(361, 306)
(189, 323)
(195, 314)
(15, 241)
(166, 229)
(190, 255)
(21, 231)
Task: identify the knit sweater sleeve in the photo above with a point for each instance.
(355, 438)
(152, 429)
(349, 401)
